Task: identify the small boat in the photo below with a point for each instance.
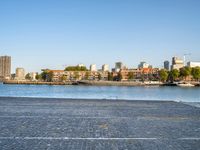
(185, 84)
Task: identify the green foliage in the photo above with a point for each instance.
(110, 76)
(75, 68)
(99, 76)
(86, 75)
(28, 77)
(174, 74)
(119, 77)
(130, 75)
(185, 71)
(44, 75)
(76, 75)
(63, 78)
(38, 76)
(163, 75)
(47, 75)
(196, 73)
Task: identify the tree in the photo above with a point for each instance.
(130, 75)
(110, 76)
(63, 78)
(163, 75)
(99, 76)
(38, 76)
(75, 68)
(44, 75)
(196, 73)
(47, 75)
(119, 76)
(185, 72)
(86, 75)
(76, 75)
(28, 76)
(174, 74)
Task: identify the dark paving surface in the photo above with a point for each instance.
(30, 123)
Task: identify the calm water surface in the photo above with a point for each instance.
(103, 92)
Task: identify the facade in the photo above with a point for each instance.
(177, 63)
(61, 75)
(93, 67)
(103, 75)
(20, 74)
(140, 74)
(57, 75)
(118, 66)
(166, 65)
(33, 75)
(143, 65)
(193, 64)
(105, 67)
(5, 67)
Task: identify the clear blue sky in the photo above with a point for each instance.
(52, 33)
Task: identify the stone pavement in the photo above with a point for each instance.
(75, 124)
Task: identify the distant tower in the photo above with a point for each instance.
(177, 63)
(105, 67)
(166, 65)
(20, 74)
(118, 66)
(5, 67)
(144, 65)
(93, 67)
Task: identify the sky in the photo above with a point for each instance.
(53, 34)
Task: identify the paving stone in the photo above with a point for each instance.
(36, 123)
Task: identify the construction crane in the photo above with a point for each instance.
(184, 57)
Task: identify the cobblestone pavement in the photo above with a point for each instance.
(69, 124)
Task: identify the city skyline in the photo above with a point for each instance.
(52, 34)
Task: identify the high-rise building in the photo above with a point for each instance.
(166, 65)
(105, 67)
(193, 64)
(118, 66)
(143, 65)
(20, 74)
(177, 63)
(5, 67)
(93, 67)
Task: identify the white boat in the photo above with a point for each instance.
(185, 84)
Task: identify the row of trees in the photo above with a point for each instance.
(45, 76)
(164, 75)
(183, 73)
(76, 68)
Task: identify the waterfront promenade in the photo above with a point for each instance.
(72, 124)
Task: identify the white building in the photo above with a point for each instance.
(193, 64)
(81, 65)
(143, 65)
(20, 74)
(33, 75)
(93, 67)
(177, 63)
(105, 67)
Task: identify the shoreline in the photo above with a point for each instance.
(190, 103)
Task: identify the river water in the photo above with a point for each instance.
(191, 94)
